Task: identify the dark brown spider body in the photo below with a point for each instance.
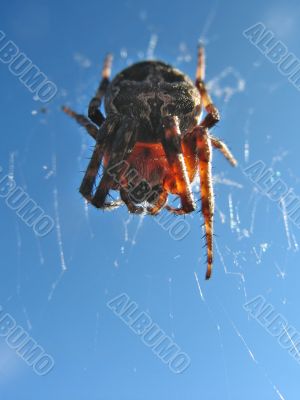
(150, 144)
(149, 91)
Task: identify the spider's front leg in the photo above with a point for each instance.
(122, 145)
(87, 184)
(94, 113)
(172, 145)
(159, 203)
(132, 208)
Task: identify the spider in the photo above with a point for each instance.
(150, 144)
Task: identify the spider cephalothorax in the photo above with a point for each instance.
(150, 143)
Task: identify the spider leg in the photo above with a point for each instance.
(172, 145)
(86, 187)
(122, 145)
(213, 115)
(94, 113)
(218, 144)
(190, 156)
(158, 204)
(112, 205)
(204, 152)
(204, 143)
(132, 208)
(89, 179)
(88, 182)
(83, 121)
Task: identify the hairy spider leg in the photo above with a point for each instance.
(190, 156)
(83, 121)
(122, 145)
(213, 115)
(218, 144)
(132, 208)
(171, 142)
(204, 153)
(112, 205)
(204, 143)
(94, 113)
(158, 204)
(89, 179)
(200, 71)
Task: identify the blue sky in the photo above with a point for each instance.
(57, 287)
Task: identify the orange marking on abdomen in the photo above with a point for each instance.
(149, 160)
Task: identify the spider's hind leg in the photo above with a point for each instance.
(89, 180)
